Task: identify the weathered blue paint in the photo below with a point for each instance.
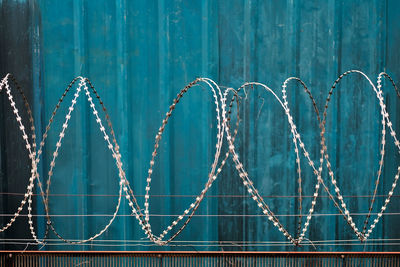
(139, 54)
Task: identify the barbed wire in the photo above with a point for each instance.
(223, 109)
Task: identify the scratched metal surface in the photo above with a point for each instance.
(195, 259)
(139, 54)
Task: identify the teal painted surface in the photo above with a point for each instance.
(139, 54)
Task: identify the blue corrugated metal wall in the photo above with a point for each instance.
(139, 54)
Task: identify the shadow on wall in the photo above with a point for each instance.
(16, 58)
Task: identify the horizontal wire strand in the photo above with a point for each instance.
(199, 215)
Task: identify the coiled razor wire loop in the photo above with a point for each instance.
(397, 144)
(83, 85)
(306, 154)
(216, 91)
(223, 128)
(98, 120)
(248, 183)
(30, 148)
(324, 154)
(45, 199)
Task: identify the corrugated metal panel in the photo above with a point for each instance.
(197, 259)
(139, 54)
